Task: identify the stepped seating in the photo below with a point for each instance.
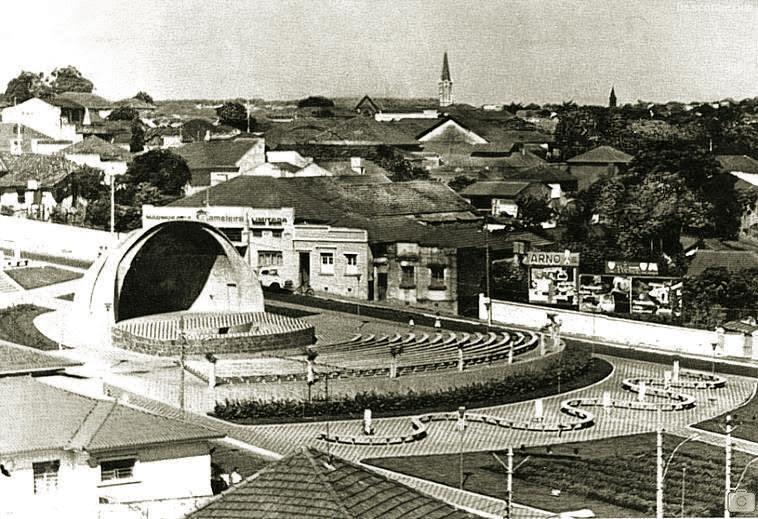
(6, 286)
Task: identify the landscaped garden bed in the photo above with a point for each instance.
(745, 418)
(35, 277)
(614, 477)
(17, 326)
(576, 369)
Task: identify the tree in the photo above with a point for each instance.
(69, 79)
(234, 114)
(315, 102)
(533, 210)
(401, 169)
(137, 140)
(509, 281)
(27, 85)
(87, 183)
(460, 183)
(144, 96)
(123, 113)
(163, 169)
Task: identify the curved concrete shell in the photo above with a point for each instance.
(173, 266)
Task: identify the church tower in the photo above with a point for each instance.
(612, 98)
(445, 84)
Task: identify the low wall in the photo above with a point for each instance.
(56, 240)
(349, 387)
(673, 339)
(229, 343)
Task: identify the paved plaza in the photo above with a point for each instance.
(157, 379)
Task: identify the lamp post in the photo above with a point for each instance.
(487, 272)
(113, 204)
(509, 482)
(663, 470)
(461, 425)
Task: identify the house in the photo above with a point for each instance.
(367, 106)
(18, 138)
(731, 260)
(17, 360)
(31, 185)
(95, 108)
(144, 109)
(216, 161)
(596, 163)
(502, 197)
(99, 154)
(357, 169)
(312, 483)
(56, 119)
(745, 170)
(92, 453)
(352, 239)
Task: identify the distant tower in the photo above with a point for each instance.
(446, 84)
(612, 98)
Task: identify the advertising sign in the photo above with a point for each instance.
(657, 295)
(553, 285)
(631, 267)
(552, 259)
(604, 294)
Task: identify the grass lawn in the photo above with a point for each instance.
(16, 325)
(35, 277)
(744, 417)
(614, 477)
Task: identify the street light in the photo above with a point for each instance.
(662, 473)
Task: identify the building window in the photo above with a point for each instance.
(270, 258)
(351, 264)
(233, 233)
(117, 469)
(257, 233)
(437, 281)
(407, 276)
(21, 196)
(276, 234)
(46, 476)
(327, 263)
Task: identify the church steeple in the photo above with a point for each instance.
(445, 84)
(612, 98)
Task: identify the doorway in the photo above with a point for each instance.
(381, 286)
(305, 270)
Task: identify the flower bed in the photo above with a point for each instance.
(575, 369)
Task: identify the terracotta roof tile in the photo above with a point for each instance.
(310, 483)
(602, 155)
(80, 422)
(48, 170)
(94, 145)
(16, 360)
(733, 261)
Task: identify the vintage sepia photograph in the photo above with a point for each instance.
(368, 259)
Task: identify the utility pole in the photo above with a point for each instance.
(728, 465)
(487, 272)
(659, 467)
(509, 481)
(182, 340)
(684, 474)
(113, 204)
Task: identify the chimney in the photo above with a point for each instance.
(356, 164)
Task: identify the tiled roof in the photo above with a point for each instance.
(48, 170)
(137, 104)
(86, 100)
(17, 360)
(80, 422)
(502, 188)
(741, 163)
(602, 155)
(344, 167)
(9, 131)
(96, 146)
(733, 261)
(310, 483)
(301, 130)
(211, 154)
(326, 198)
(540, 173)
(365, 130)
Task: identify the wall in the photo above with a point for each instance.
(253, 158)
(109, 167)
(421, 293)
(588, 174)
(344, 281)
(604, 328)
(64, 241)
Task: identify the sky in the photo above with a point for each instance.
(500, 51)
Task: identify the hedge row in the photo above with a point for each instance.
(574, 362)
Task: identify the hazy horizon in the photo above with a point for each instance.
(500, 52)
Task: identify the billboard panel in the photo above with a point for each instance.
(553, 285)
(657, 295)
(604, 294)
